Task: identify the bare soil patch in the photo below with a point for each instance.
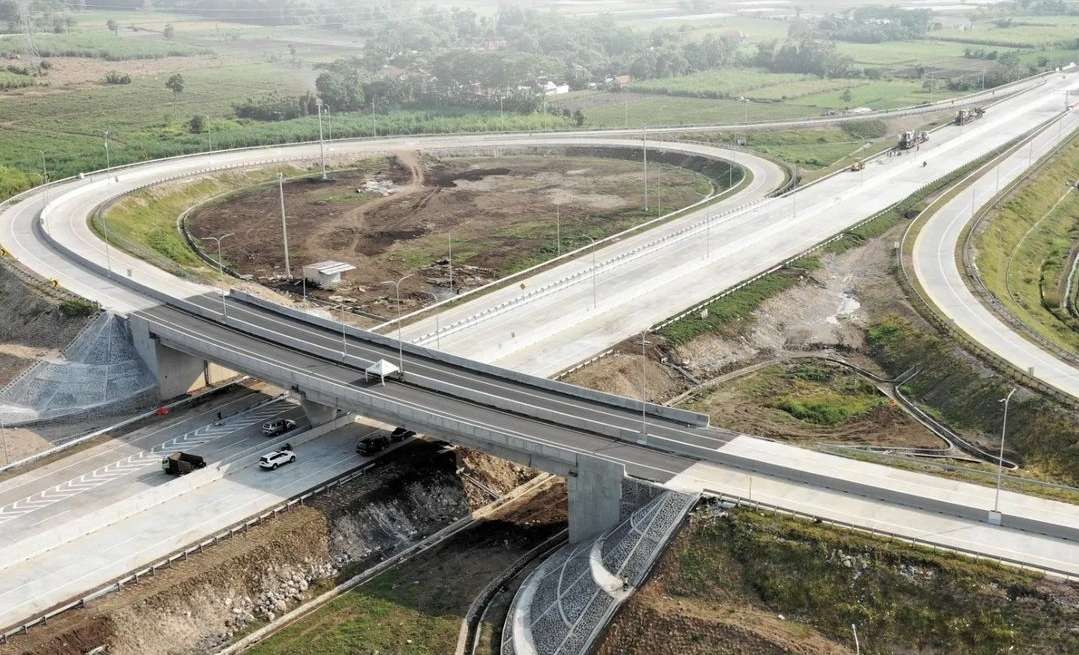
(395, 216)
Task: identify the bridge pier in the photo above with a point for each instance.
(595, 497)
(177, 372)
(317, 413)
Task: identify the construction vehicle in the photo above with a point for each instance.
(857, 166)
(910, 139)
(964, 116)
(182, 463)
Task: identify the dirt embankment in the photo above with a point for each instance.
(201, 603)
(32, 326)
(827, 314)
(746, 583)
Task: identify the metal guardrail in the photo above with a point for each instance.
(738, 501)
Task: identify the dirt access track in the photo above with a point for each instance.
(396, 215)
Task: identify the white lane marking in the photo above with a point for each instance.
(138, 461)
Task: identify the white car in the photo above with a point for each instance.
(277, 458)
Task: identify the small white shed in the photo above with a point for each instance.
(381, 370)
(326, 275)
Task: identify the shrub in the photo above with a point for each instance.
(116, 77)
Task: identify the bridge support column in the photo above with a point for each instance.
(177, 372)
(317, 413)
(595, 497)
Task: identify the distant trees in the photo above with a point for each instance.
(808, 56)
(275, 107)
(340, 88)
(175, 83)
(169, 31)
(113, 26)
(197, 124)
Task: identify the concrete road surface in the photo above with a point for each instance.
(937, 268)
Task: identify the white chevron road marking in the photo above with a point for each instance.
(136, 462)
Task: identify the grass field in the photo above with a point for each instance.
(1023, 249)
(731, 82)
(9, 80)
(1024, 31)
(103, 44)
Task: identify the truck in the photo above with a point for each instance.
(964, 116)
(180, 463)
(910, 139)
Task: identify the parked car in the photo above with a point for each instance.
(400, 434)
(278, 426)
(372, 445)
(273, 459)
(181, 463)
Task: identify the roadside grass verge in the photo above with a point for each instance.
(1041, 434)
(143, 223)
(1022, 249)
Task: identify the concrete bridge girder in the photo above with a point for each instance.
(177, 372)
(594, 484)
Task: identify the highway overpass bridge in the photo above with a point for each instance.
(185, 331)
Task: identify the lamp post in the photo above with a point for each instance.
(449, 238)
(644, 150)
(284, 223)
(644, 391)
(108, 158)
(3, 437)
(594, 302)
(221, 269)
(218, 240)
(558, 228)
(400, 342)
(321, 143)
(1000, 457)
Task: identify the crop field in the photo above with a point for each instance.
(100, 44)
(602, 109)
(10, 80)
(731, 82)
(800, 89)
(1024, 31)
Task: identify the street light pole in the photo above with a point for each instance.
(108, 158)
(1000, 458)
(644, 150)
(321, 143)
(644, 390)
(594, 303)
(284, 223)
(220, 261)
(400, 341)
(450, 260)
(558, 228)
(3, 436)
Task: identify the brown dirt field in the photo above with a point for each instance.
(499, 210)
(83, 71)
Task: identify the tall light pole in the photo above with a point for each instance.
(284, 223)
(3, 437)
(644, 390)
(108, 158)
(1000, 457)
(329, 122)
(449, 238)
(400, 341)
(644, 151)
(501, 114)
(321, 143)
(218, 240)
(745, 109)
(594, 303)
(374, 130)
(558, 228)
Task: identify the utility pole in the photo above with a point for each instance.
(329, 122)
(644, 150)
(659, 189)
(374, 130)
(501, 114)
(44, 170)
(625, 109)
(1000, 457)
(284, 223)
(321, 143)
(450, 238)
